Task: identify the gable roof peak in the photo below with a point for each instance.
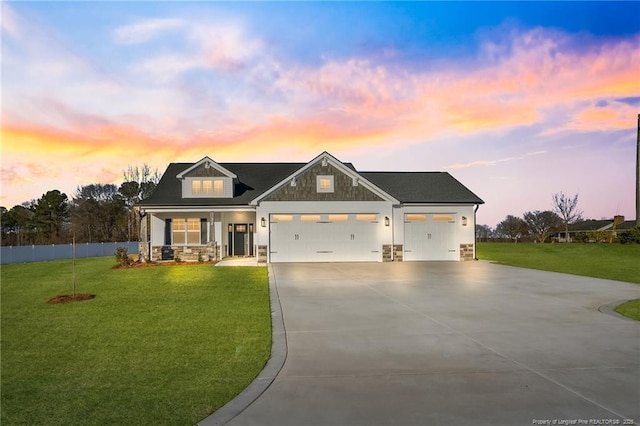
(208, 163)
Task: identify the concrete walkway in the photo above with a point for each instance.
(238, 261)
(449, 344)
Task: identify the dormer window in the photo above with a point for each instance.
(207, 187)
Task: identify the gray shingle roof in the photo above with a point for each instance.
(423, 187)
(256, 178)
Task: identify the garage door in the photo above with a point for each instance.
(430, 236)
(325, 237)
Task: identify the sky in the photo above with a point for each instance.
(517, 100)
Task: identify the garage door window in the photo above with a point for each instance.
(367, 217)
(310, 217)
(338, 217)
(443, 217)
(416, 217)
(282, 218)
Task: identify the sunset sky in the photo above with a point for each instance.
(518, 101)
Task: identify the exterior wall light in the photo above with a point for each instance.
(386, 221)
(230, 227)
(464, 221)
(263, 222)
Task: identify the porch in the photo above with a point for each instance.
(202, 235)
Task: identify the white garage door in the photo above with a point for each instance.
(430, 236)
(325, 238)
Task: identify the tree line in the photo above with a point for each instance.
(539, 225)
(95, 213)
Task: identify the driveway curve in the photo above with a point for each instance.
(469, 343)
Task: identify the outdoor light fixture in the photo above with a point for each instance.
(263, 222)
(464, 221)
(386, 221)
(230, 227)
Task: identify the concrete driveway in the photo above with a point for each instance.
(449, 344)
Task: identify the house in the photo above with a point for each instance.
(321, 211)
(592, 230)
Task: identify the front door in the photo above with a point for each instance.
(240, 239)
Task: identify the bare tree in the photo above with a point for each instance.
(567, 208)
(138, 184)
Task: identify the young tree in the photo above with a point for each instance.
(512, 227)
(567, 209)
(542, 224)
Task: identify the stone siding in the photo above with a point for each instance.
(466, 252)
(386, 253)
(143, 250)
(306, 189)
(189, 253)
(262, 255)
(398, 251)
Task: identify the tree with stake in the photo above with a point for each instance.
(567, 208)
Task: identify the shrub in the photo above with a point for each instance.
(632, 236)
(122, 257)
(200, 258)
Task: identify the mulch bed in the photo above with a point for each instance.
(68, 298)
(162, 263)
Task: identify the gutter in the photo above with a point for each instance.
(475, 242)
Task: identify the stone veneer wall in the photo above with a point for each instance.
(398, 250)
(189, 253)
(466, 251)
(143, 249)
(262, 254)
(386, 253)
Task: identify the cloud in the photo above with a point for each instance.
(213, 86)
(146, 30)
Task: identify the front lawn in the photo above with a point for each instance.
(162, 345)
(630, 309)
(611, 261)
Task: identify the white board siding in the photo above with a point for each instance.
(324, 240)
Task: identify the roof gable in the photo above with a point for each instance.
(206, 168)
(301, 185)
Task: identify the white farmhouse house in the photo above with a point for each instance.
(321, 211)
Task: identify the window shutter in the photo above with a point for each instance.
(203, 231)
(167, 232)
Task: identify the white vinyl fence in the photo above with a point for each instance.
(24, 254)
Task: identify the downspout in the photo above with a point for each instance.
(475, 242)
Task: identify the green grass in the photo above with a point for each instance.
(157, 346)
(611, 261)
(630, 309)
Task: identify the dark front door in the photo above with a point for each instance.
(239, 239)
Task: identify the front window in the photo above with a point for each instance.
(179, 226)
(187, 231)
